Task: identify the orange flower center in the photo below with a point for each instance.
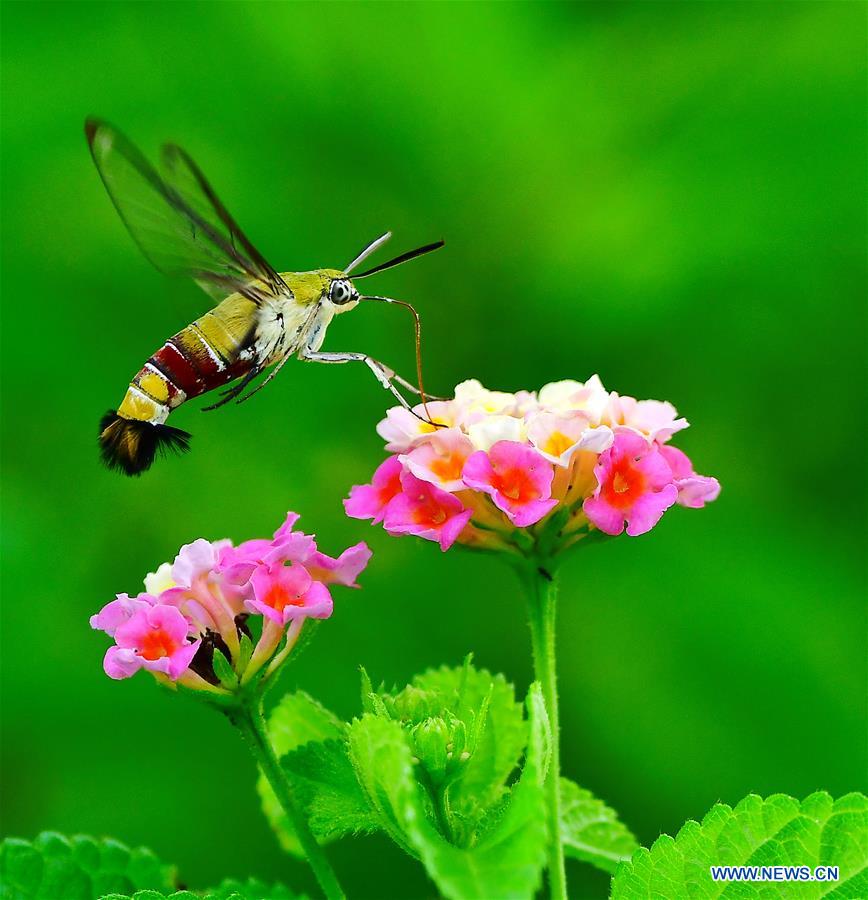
(157, 644)
(278, 597)
(515, 484)
(385, 494)
(448, 468)
(429, 513)
(624, 486)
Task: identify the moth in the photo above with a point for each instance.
(262, 317)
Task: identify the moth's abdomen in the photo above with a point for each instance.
(201, 357)
(205, 355)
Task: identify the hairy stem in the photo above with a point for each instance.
(247, 717)
(542, 596)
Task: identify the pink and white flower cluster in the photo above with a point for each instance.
(206, 601)
(502, 462)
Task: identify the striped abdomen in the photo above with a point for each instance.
(199, 358)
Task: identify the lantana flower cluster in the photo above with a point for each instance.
(247, 604)
(503, 469)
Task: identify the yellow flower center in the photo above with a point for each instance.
(557, 443)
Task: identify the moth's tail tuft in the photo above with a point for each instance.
(129, 445)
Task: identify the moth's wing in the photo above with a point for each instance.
(177, 227)
(185, 177)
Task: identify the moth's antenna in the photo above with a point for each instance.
(374, 245)
(418, 328)
(404, 257)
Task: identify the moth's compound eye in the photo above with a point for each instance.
(340, 292)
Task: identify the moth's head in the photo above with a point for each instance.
(343, 294)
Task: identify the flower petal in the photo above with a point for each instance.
(648, 509)
(488, 431)
(343, 570)
(440, 459)
(121, 663)
(427, 512)
(369, 501)
(119, 611)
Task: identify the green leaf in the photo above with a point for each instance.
(294, 721)
(55, 866)
(367, 690)
(252, 889)
(325, 784)
(227, 890)
(297, 719)
(380, 754)
(506, 861)
(223, 670)
(776, 831)
(157, 895)
(591, 830)
(245, 651)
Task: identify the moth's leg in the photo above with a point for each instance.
(236, 389)
(271, 375)
(413, 389)
(382, 372)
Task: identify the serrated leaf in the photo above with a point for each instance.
(380, 754)
(506, 862)
(230, 889)
(591, 831)
(367, 690)
(777, 831)
(54, 866)
(294, 721)
(325, 784)
(156, 895)
(251, 889)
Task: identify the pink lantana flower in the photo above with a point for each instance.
(547, 471)
(284, 593)
(153, 638)
(246, 604)
(694, 491)
(634, 487)
(424, 510)
(516, 477)
(440, 460)
(369, 501)
(237, 564)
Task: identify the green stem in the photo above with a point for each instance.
(247, 717)
(542, 590)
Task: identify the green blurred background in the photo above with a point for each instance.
(672, 195)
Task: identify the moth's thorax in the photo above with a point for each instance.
(281, 324)
(309, 287)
